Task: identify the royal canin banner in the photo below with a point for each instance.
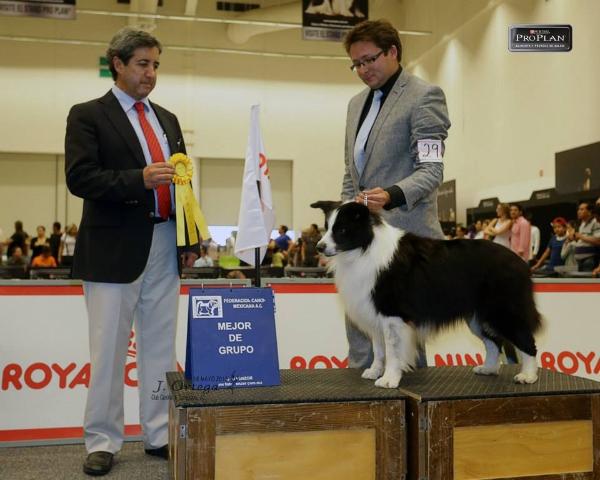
(44, 358)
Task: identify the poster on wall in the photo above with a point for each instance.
(446, 201)
(578, 169)
(57, 9)
(331, 19)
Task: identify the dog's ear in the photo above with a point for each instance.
(327, 206)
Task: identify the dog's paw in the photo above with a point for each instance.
(483, 370)
(388, 381)
(372, 373)
(526, 377)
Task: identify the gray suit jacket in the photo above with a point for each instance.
(414, 110)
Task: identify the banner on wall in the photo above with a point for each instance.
(45, 361)
(331, 19)
(57, 9)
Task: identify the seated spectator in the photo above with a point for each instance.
(39, 242)
(67, 246)
(554, 248)
(315, 232)
(203, 260)
(520, 233)
(461, 233)
(277, 258)
(567, 252)
(44, 259)
(17, 257)
(266, 261)
(476, 230)
(482, 235)
(54, 240)
(18, 239)
(499, 228)
(309, 254)
(587, 238)
(212, 250)
(294, 254)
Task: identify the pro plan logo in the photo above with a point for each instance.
(207, 307)
(540, 38)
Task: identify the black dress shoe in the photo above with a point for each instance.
(98, 463)
(162, 452)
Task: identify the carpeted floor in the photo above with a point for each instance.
(65, 462)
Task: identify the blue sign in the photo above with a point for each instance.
(231, 339)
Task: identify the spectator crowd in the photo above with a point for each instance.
(41, 250)
(573, 247)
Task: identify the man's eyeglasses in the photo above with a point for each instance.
(365, 61)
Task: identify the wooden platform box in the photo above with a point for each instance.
(461, 426)
(318, 425)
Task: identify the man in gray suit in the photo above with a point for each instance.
(395, 132)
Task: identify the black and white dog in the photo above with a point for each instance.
(398, 287)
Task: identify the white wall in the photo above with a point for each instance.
(510, 112)
(303, 108)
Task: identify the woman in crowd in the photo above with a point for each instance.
(39, 242)
(19, 239)
(499, 227)
(67, 246)
(204, 260)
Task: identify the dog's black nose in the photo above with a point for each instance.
(320, 247)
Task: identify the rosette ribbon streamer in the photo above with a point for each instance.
(188, 213)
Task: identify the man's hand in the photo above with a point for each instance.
(188, 259)
(375, 199)
(156, 174)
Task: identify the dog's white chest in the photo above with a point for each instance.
(355, 284)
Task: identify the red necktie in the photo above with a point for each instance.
(163, 192)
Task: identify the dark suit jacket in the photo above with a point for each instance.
(103, 165)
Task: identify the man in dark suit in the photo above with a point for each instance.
(126, 255)
(395, 132)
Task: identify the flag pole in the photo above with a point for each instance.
(257, 266)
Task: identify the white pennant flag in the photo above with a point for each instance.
(257, 217)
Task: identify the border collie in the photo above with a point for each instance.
(398, 287)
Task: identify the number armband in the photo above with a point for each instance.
(430, 151)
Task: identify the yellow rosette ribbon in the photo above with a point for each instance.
(187, 211)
